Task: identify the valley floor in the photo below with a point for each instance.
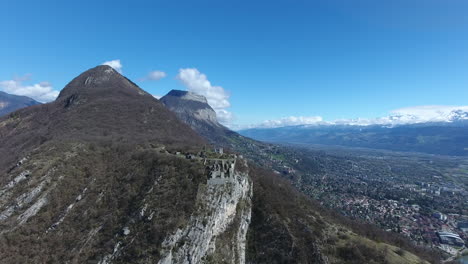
(412, 194)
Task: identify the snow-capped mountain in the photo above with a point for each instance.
(425, 114)
(430, 129)
(403, 116)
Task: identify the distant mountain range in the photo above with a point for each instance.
(10, 102)
(429, 114)
(448, 137)
(411, 116)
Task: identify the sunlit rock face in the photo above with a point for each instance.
(217, 230)
(189, 106)
(194, 110)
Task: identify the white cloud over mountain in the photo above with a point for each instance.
(224, 116)
(217, 97)
(42, 92)
(401, 116)
(293, 121)
(430, 113)
(116, 64)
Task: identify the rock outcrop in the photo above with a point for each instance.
(220, 222)
(190, 107)
(194, 110)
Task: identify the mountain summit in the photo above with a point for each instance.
(190, 107)
(194, 110)
(100, 81)
(100, 104)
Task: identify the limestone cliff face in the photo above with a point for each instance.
(190, 107)
(194, 110)
(217, 230)
(151, 206)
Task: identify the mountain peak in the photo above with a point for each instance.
(100, 80)
(194, 110)
(100, 104)
(190, 106)
(186, 95)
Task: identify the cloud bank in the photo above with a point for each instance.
(42, 92)
(116, 64)
(401, 116)
(430, 113)
(217, 97)
(292, 121)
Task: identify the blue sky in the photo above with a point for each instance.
(334, 59)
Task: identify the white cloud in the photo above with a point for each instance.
(42, 92)
(197, 82)
(412, 115)
(154, 76)
(401, 116)
(116, 64)
(156, 96)
(217, 97)
(429, 113)
(224, 116)
(292, 121)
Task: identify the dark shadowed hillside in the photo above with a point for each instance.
(97, 106)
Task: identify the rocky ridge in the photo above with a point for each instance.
(221, 205)
(190, 106)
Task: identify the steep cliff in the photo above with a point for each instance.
(194, 110)
(190, 107)
(81, 202)
(216, 231)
